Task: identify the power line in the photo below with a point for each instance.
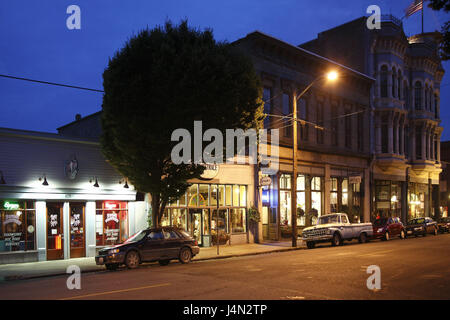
(50, 83)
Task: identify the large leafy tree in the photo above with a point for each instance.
(444, 46)
(164, 79)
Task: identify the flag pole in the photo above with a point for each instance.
(422, 16)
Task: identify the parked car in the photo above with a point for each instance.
(336, 228)
(386, 228)
(421, 226)
(157, 244)
(444, 224)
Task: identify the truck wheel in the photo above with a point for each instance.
(310, 244)
(362, 238)
(336, 241)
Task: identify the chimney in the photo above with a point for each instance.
(77, 117)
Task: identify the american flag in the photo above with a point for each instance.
(417, 5)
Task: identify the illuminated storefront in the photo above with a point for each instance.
(196, 212)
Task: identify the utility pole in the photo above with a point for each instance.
(294, 171)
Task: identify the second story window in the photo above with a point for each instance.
(394, 83)
(384, 82)
(267, 98)
(436, 106)
(319, 113)
(303, 115)
(406, 95)
(287, 110)
(418, 96)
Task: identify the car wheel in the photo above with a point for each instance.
(185, 255)
(164, 262)
(111, 266)
(362, 238)
(310, 244)
(386, 236)
(337, 241)
(132, 260)
(402, 234)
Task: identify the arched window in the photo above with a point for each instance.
(399, 84)
(394, 83)
(384, 82)
(406, 95)
(418, 95)
(430, 99)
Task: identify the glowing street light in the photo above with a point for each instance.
(332, 75)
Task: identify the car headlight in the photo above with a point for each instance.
(114, 251)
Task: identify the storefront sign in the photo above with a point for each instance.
(265, 181)
(71, 168)
(12, 218)
(12, 239)
(111, 217)
(111, 206)
(354, 179)
(210, 172)
(8, 205)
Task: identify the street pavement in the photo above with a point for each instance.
(415, 268)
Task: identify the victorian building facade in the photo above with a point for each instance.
(405, 122)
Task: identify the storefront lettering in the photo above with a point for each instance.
(53, 220)
(10, 206)
(12, 218)
(112, 234)
(12, 239)
(111, 217)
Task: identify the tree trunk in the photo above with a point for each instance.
(155, 210)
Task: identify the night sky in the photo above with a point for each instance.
(35, 43)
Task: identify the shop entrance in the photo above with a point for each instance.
(55, 233)
(77, 230)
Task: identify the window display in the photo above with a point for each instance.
(17, 221)
(111, 222)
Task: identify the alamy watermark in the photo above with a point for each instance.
(374, 281)
(213, 152)
(74, 20)
(74, 280)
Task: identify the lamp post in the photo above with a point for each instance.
(330, 76)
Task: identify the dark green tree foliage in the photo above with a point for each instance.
(164, 79)
(444, 46)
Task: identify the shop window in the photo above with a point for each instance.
(17, 226)
(228, 195)
(238, 222)
(301, 200)
(285, 181)
(178, 218)
(203, 190)
(243, 196)
(344, 199)
(236, 196)
(192, 195)
(165, 219)
(285, 200)
(334, 195)
(111, 222)
(182, 200)
(316, 197)
(219, 225)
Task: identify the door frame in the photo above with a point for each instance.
(77, 252)
(51, 253)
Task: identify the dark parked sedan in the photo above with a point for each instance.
(386, 228)
(444, 224)
(421, 226)
(160, 244)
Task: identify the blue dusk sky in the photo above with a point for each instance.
(35, 43)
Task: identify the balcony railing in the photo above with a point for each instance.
(391, 18)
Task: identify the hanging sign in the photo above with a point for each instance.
(71, 168)
(211, 171)
(265, 181)
(355, 179)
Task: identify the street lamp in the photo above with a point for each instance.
(330, 76)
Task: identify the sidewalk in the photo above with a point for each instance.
(58, 267)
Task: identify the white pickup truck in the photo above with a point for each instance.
(336, 228)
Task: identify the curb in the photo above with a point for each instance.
(21, 277)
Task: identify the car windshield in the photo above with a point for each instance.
(136, 237)
(380, 222)
(417, 221)
(328, 219)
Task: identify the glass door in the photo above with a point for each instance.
(55, 234)
(77, 230)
